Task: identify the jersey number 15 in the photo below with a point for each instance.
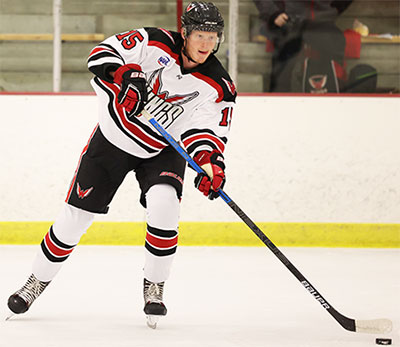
(130, 38)
(226, 117)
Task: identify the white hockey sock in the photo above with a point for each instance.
(162, 231)
(60, 241)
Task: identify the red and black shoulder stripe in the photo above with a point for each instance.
(215, 75)
(170, 41)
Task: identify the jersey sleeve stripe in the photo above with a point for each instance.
(103, 54)
(192, 132)
(201, 146)
(194, 137)
(100, 53)
(111, 48)
(104, 47)
(204, 137)
(100, 60)
(100, 49)
(131, 129)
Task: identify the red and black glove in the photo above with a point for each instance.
(213, 164)
(133, 94)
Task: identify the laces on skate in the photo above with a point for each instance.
(23, 298)
(154, 307)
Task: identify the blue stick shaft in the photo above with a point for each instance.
(181, 151)
(346, 322)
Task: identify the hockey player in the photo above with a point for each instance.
(181, 82)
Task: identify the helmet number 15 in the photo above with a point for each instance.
(130, 38)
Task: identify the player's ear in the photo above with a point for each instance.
(183, 33)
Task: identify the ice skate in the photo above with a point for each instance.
(22, 299)
(154, 308)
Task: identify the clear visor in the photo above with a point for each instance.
(206, 28)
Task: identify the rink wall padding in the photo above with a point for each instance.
(221, 234)
(311, 171)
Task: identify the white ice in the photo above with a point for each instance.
(216, 297)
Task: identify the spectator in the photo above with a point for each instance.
(291, 24)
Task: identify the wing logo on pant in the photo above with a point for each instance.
(83, 193)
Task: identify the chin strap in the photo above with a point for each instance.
(185, 53)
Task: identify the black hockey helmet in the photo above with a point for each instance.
(203, 16)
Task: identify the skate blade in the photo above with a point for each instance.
(10, 315)
(152, 321)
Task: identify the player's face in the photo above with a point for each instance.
(200, 44)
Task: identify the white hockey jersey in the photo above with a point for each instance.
(196, 105)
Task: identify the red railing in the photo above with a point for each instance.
(179, 11)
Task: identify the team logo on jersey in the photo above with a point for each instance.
(164, 60)
(164, 106)
(164, 112)
(175, 99)
(230, 85)
(81, 192)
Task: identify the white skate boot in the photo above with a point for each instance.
(154, 308)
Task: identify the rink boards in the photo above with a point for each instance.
(221, 234)
(310, 171)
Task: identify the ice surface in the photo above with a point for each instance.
(216, 297)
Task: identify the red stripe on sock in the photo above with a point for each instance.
(53, 248)
(161, 243)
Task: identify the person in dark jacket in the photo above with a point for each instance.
(291, 24)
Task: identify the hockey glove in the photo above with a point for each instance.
(133, 94)
(213, 164)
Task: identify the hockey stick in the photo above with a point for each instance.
(365, 326)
